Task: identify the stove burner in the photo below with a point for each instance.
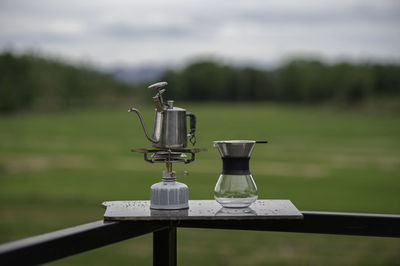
(165, 156)
(169, 156)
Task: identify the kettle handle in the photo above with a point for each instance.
(191, 135)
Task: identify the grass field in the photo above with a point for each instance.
(56, 169)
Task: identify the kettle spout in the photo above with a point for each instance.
(143, 125)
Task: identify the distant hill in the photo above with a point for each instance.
(138, 75)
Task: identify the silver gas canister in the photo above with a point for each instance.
(169, 194)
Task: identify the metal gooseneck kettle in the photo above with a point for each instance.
(170, 130)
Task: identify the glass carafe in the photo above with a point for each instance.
(235, 187)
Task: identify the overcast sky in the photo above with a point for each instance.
(114, 32)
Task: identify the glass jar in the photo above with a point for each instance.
(235, 191)
(235, 187)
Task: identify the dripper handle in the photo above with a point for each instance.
(261, 141)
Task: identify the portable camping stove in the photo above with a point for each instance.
(169, 194)
(169, 141)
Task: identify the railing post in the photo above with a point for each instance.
(164, 247)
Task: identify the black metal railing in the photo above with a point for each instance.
(74, 240)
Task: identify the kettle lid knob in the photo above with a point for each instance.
(158, 100)
(158, 85)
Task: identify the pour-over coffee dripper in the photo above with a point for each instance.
(235, 187)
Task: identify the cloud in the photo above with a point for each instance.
(134, 32)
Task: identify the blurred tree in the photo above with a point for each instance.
(16, 91)
(30, 81)
(297, 81)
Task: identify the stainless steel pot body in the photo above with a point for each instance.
(170, 129)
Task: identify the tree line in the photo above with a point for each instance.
(31, 81)
(303, 81)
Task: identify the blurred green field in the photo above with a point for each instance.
(57, 168)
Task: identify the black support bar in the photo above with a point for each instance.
(164, 247)
(313, 222)
(70, 241)
(74, 240)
